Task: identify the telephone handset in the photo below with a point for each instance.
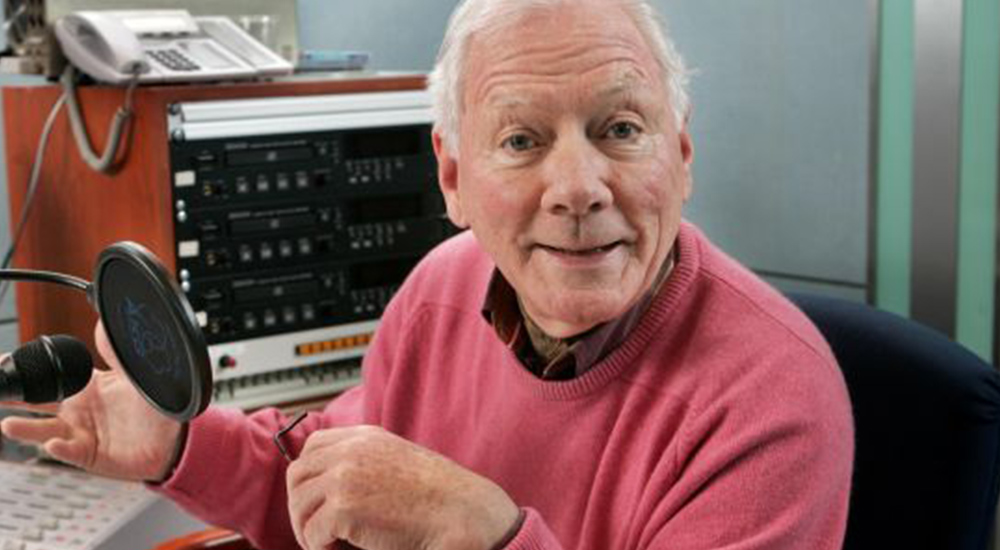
(102, 46)
(163, 46)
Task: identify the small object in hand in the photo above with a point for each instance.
(278, 437)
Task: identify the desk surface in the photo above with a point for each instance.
(160, 522)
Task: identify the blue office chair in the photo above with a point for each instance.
(927, 417)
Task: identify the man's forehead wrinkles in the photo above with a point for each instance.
(579, 45)
(507, 102)
(626, 83)
(510, 90)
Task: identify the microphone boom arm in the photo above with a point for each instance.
(30, 275)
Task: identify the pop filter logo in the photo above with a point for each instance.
(151, 340)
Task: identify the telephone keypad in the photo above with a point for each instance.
(174, 60)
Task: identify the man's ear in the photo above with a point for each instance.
(687, 157)
(448, 180)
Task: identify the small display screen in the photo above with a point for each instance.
(380, 274)
(269, 156)
(386, 209)
(393, 142)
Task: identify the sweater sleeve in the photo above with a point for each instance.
(780, 486)
(761, 471)
(231, 473)
(534, 534)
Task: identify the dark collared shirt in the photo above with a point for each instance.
(559, 358)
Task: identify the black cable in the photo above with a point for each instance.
(45, 277)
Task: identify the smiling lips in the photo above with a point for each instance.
(582, 252)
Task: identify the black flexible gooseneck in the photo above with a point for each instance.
(30, 275)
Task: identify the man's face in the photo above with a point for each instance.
(571, 169)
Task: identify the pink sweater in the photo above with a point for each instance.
(721, 422)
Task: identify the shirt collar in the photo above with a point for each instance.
(555, 358)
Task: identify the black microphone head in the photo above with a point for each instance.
(153, 330)
(52, 368)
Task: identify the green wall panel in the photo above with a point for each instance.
(978, 175)
(894, 175)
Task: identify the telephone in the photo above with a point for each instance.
(117, 47)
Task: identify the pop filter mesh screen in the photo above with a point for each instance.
(145, 335)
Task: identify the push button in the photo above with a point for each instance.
(266, 251)
(308, 312)
(263, 184)
(301, 180)
(305, 247)
(270, 318)
(250, 321)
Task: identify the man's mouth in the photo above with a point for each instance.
(582, 251)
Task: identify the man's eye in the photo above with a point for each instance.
(622, 130)
(519, 142)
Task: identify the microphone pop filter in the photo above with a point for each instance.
(153, 330)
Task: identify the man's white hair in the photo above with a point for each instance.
(475, 16)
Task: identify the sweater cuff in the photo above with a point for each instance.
(200, 460)
(175, 458)
(515, 528)
(534, 534)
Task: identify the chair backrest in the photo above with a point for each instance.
(927, 417)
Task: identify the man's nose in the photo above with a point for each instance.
(576, 176)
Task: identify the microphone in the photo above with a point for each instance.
(150, 325)
(45, 370)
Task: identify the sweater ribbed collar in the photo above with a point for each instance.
(626, 350)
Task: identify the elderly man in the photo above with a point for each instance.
(581, 370)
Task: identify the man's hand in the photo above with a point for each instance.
(108, 428)
(378, 491)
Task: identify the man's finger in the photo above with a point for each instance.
(34, 430)
(317, 530)
(329, 437)
(44, 408)
(69, 451)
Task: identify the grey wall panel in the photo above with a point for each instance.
(936, 126)
(399, 34)
(781, 130)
